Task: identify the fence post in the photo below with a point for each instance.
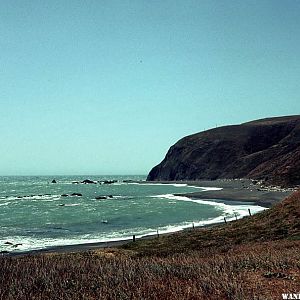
(193, 225)
(235, 216)
(157, 233)
(225, 220)
(133, 238)
(249, 212)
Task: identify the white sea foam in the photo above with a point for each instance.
(34, 198)
(28, 244)
(228, 210)
(178, 185)
(159, 184)
(207, 188)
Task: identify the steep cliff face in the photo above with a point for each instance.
(267, 149)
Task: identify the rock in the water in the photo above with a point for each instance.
(64, 195)
(53, 181)
(8, 243)
(267, 149)
(76, 194)
(104, 197)
(109, 181)
(87, 181)
(101, 197)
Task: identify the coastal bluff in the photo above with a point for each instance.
(266, 149)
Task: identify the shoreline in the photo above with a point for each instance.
(88, 246)
(236, 190)
(85, 247)
(239, 190)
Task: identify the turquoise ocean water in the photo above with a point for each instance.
(35, 215)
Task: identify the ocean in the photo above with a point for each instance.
(37, 214)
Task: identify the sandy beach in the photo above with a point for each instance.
(242, 190)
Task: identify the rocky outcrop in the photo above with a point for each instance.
(88, 181)
(104, 197)
(72, 195)
(267, 149)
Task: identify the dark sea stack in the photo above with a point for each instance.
(53, 181)
(267, 149)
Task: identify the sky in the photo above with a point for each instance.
(107, 86)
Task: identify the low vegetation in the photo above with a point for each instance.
(254, 258)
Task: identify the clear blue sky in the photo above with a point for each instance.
(106, 87)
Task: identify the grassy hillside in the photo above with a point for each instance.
(253, 258)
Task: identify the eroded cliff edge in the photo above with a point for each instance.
(266, 149)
